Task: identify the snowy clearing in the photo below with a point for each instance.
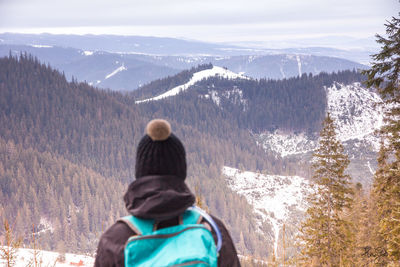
(274, 197)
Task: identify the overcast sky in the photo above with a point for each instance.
(206, 20)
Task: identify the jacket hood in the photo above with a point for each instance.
(158, 197)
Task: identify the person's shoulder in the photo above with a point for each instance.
(118, 233)
(219, 223)
(110, 251)
(228, 254)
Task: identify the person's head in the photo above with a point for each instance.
(160, 152)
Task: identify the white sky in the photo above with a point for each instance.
(206, 20)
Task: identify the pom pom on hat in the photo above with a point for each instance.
(158, 130)
(160, 152)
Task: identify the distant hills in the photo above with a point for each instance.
(127, 62)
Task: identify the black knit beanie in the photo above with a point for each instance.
(160, 152)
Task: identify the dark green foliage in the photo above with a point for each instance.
(295, 104)
(68, 154)
(326, 234)
(384, 74)
(41, 186)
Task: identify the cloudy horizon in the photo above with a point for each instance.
(225, 21)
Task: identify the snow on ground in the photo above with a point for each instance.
(41, 46)
(274, 197)
(198, 76)
(298, 64)
(87, 53)
(122, 68)
(49, 259)
(372, 171)
(235, 96)
(355, 111)
(282, 73)
(45, 225)
(286, 143)
(215, 97)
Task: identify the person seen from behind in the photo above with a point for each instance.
(160, 199)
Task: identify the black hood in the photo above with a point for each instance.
(158, 197)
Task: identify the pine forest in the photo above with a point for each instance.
(67, 156)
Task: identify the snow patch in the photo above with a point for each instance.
(282, 73)
(41, 46)
(273, 197)
(88, 53)
(286, 144)
(122, 68)
(370, 168)
(252, 58)
(198, 76)
(298, 64)
(235, 96)
(215, 98)
(356, 112)
(49, 258)
(45, 225)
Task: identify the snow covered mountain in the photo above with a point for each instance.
(215, 71)
(276, 199)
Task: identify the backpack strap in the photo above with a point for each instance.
(191, 217)
(139, 226)
(210, 220)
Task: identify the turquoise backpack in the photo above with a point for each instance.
(187, 244)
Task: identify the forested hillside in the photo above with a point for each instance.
(52, 130)
(294, 104)
(71, 140)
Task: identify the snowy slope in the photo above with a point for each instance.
(356, 114)
(119, 69)
(198, 76)
(49, 258)
(274, 197)
(286, 144)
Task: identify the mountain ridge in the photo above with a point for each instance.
(94, 66)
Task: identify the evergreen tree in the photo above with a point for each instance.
(326, 235)
(384, 75)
